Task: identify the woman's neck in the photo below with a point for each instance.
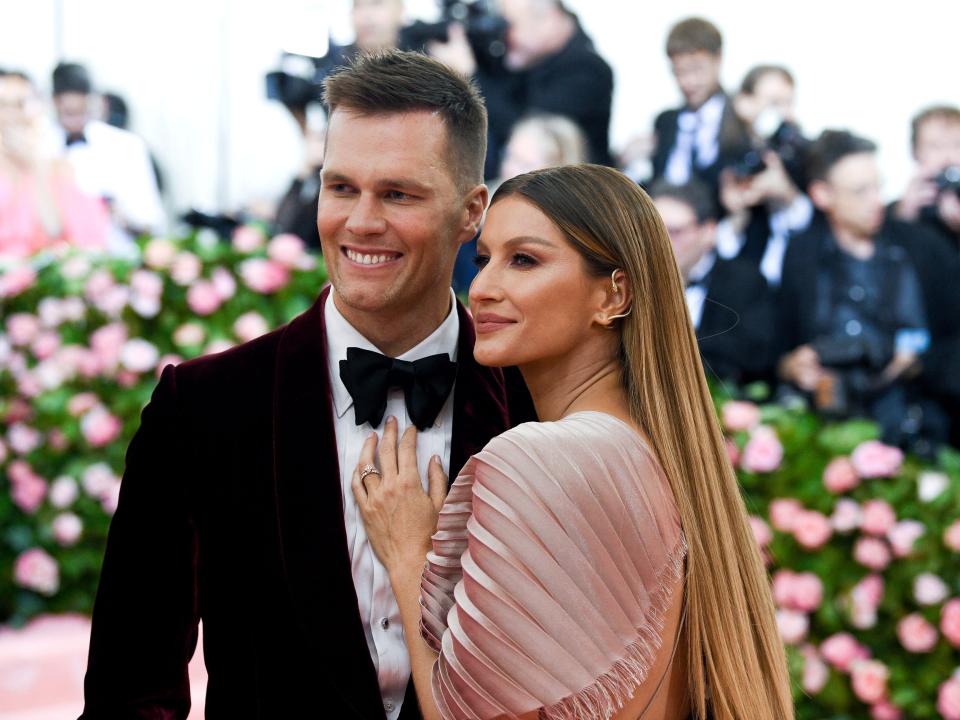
(561, 387)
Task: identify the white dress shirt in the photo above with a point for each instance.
(375, 598)
(698, 129)
(696, 290)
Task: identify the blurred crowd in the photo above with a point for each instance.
(797, 273)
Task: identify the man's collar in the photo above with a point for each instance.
(341, 335)
(701, 268)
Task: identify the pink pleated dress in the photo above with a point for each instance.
(557, 553)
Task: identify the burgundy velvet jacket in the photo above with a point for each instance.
(231, 512)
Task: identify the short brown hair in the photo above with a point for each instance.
(948, 113)
(752, 78)
(395, 81)
(694, 34)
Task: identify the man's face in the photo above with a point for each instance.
(850, 195)
(697, 74)
(938, 144)
(73, 110)
(390, 215)
(527, 34)
(772, 92)
(377, 23)
(18, 102)
(691, 240)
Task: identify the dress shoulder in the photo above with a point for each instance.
(555, 558)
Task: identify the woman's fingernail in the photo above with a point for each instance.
(436, 459)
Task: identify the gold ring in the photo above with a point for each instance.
(369, 470)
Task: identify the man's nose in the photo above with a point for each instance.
(366, 216)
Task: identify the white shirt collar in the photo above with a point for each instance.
(701, 268)
(341, 335)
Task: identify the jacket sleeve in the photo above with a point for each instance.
(146, 611)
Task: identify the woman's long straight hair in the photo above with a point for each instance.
(737, 663)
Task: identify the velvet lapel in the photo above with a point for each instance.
(310, 513)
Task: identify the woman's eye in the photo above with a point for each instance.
(481, 261)
(522, 260)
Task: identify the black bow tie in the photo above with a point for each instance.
(76, 138)
(426, 383)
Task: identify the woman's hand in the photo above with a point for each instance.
(398, 515)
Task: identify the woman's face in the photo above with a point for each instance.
(533, 299)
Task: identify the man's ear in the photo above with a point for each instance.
(820, 194)
(474, 206)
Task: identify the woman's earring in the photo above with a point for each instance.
(615, 289)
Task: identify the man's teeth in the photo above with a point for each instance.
(370, 259)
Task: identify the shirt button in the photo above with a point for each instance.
(389, 706)
(384, 623)
(853, 327)
(857, 293)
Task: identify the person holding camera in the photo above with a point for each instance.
(932, 197)
(867, 320)
(760, 191)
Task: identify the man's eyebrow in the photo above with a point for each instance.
(335, 176)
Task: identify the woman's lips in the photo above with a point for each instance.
(490, 322)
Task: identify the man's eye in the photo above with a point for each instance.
(340, 188)
(522, 260)
(398, 195)
(481, 260)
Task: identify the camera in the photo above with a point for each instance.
(782, 137)
(486, 31)
(949, 180)
(854, 373)
(299, 80)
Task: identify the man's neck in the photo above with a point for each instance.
(854, 243)
(712, 95)
(394, 333)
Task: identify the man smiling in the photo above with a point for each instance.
(236, 505)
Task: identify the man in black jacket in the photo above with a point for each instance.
(868, 319)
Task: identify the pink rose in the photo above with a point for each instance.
(884, 710)
(185, 268)
(146, 283)
(948, 699)
(264, 276)
(111, 498)
(45, 344)
(73, 309)
(139, 355)
(807, 592)
(287, 249)
(247, 239)
(224, 283)
(217, 346)
(951, 536)
(250, 325)
(916, 634)
(81, 402)
(67, 528)
(98, 479)
(903, 535)
(22, 328)
(761, 531)
(950, 622)
(815, 671)
(36, 570)
(928, 589)
(159, 253)
(99, 427)
(98, 285)
(793, 626)
(23, 439)
(782, 588)
(739, 415)
(107, 344)
(847, 515)
(840, 650)
(27, 490)
(763, 452)
(17, 279)
(874, 459)
(784, 513)
(878, 517)
(75, 268)
(870, 589)
(50, 312)
(872, 553)
(63, 492)
(840, 476)
(18, 410)
(812, 529)
(189, 334)
(869, 680)
(3, 452)
(113, 301)
(733, 452)
(57, 440)
(203, 298)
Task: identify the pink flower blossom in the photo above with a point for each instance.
(203, 298)
(812, 529)
(840, 650)
(739, 415)
(950, 621)
(840, 476)
(761, 531)
(217, 346)
(45, 344)
(797, 591)
(17, 279)
(146, 283)
(99, 427)
(81, 402)
(872, 553)
(847, 515)
(189, 335)
(869, 680)
(98, 479)
(951, 536)
(763, 452)
(22, 328)
(36, 570)
(57, 440)
(815, 671)
(784, 513)
(139, 355)
(878, 517)
(929, 589)
(50, 312)
(224, 282)
(168, 359)
(98, 285)
(23, 439)
(27, 489)
(250, 325)
(916, 634)
(185, 268)
(3, 452)
(63, 492)
(264, 276)
(107, 344)
(159, 253)
(885, 710)
(111, 498)
(793, 626)
(67, 528)
(903, 535)
(948, 699)
(733, 452)
(874, 459)
(870, 589)
(113, 301)
(75, 268)
(247, 239)
(930, 484)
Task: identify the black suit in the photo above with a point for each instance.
(231, 512)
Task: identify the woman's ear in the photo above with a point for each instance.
(617, 301)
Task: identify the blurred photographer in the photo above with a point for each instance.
(867, 309)
(548, 64)
(932, 197)
(760, 189)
